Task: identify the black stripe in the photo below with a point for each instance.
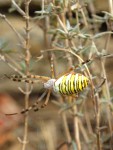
(71, 83)
(78, 84)
(69, 86)
(82, 85)
(66, 86)
(60, 87)
(74, 85)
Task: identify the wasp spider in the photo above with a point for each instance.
(68, 84)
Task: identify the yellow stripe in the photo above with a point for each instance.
(77, 86)
(83, 85)
(72, 85)
(80, 85)
(85, 82)
(60, 88)
(62, 85)
(69, 85)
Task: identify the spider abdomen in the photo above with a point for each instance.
(70, 84)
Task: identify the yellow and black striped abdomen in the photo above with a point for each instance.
(70, 84)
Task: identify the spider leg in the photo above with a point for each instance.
(52, 66)
(45, 103)
(27, 79)
(71, 69)
(42, 78)
(18, 78)
(30, 107)
(49, 91)
(80, 65)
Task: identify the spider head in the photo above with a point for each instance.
(49, 84)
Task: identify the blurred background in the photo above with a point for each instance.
(46, 127)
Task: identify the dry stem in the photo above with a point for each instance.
(27, 60)
(12, 27)
(76, 127)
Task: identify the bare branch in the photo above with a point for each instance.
(21, 39)
(18, 8)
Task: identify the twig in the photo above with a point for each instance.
(10, 65)
(18, 8)
(65, 123)
(99, 145)
(83, 131)
(27, 61)
(107, 94)
(24, 92)
(12, 27)
(110, 6)
(76, 127)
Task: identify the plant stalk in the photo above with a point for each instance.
(27, 61)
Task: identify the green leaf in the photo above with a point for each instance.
(3, 43)
(42, 12)
(109, 14)
(84, 36)
(94, 48)
(68, 25)
(23, 65)
(85, 49)
(52, 31)
(40, 17)
(61, 31)
(49, 8)
(98, 35)
(100, 19)
(75, 29)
